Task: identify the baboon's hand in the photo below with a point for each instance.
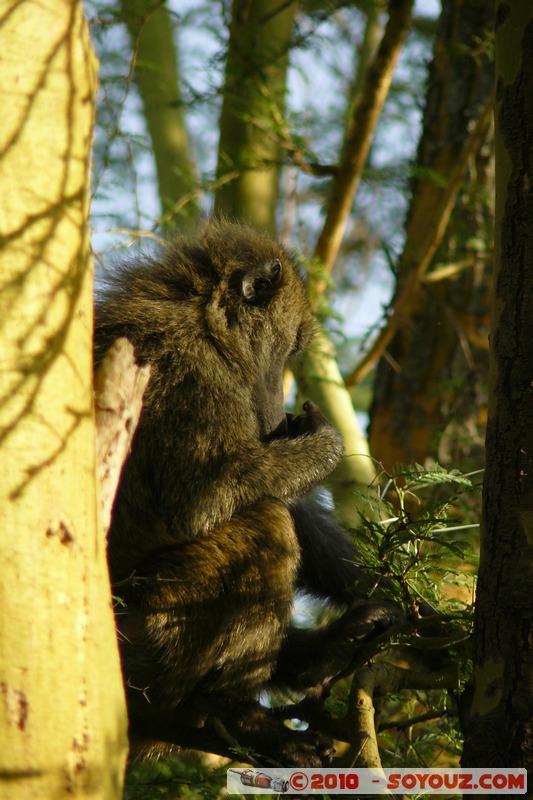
(367, 619)
(310, 421)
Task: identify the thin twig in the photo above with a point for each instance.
(401, 725)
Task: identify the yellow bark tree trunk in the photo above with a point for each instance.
(253, 110)
(62, 714)
(157, 76)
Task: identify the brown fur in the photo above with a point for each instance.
(210, 535)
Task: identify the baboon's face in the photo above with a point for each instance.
(274, 325)
(269, 400)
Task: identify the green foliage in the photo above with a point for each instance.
(174, 778)
(421, 730)
(431, 567)
(415, 542)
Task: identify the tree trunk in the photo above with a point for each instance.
(252, 118)
(62, 713)
(157, 76)
(500, 728)
(431, 375)
(319, 376)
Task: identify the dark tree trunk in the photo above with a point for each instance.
(428, 381)
(500, 727)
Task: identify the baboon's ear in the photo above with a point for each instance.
(260, 283)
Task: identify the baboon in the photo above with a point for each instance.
(213, 529)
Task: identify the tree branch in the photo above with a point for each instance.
(419, 254)
(357, 726)
(363, 120)
(383, 678)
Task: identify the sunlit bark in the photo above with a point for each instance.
(62, 712)
(157, 76)
(253, 110)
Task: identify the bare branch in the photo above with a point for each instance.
(383, 678)
(402, 725)
(357, 726)
(362, 123)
